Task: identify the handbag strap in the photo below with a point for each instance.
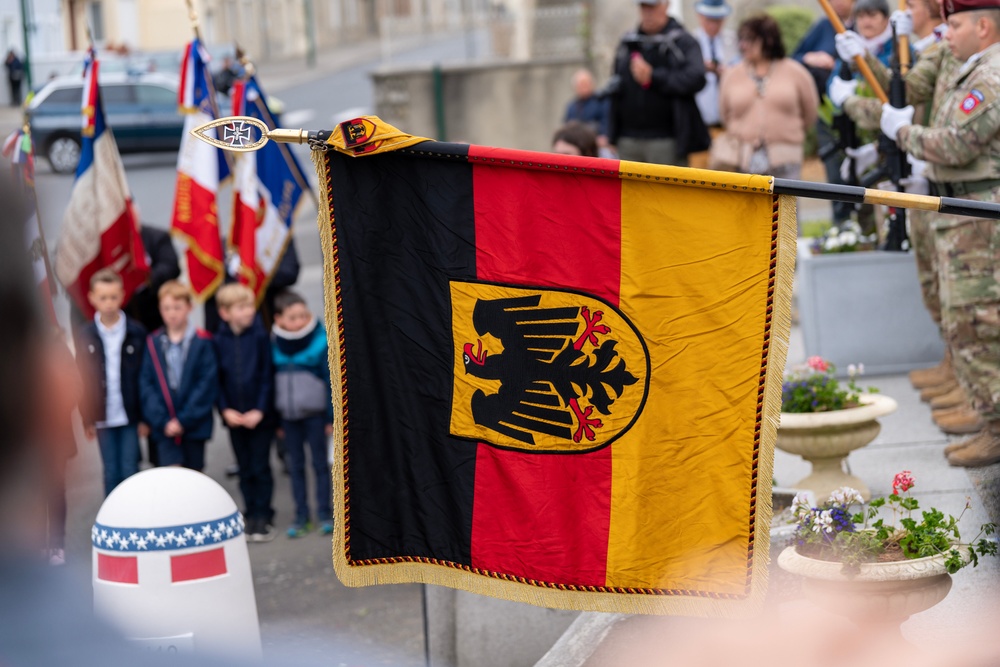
(164, 389)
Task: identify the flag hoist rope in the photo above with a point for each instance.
(238, 137)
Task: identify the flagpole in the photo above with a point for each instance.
(859, 195)
(780, 186)
(49, 273)
(859, 61)
(196, 28)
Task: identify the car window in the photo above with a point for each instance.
(158, 95)
(71, 95)
(116, 94)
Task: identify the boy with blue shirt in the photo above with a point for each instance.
(246, 401)
(109, 354)
(179, 382)
(303, 399)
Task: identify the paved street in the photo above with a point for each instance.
(304, 611)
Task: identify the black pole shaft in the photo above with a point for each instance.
(856, 194)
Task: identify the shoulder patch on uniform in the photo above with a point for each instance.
(972, 100)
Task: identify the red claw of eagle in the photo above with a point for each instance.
(478, 357)
(583, 417)
(591, 328)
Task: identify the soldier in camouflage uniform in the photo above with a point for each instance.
(927, 82)
(962, 147)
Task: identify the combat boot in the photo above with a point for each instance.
(938, 390)
(953, 398)
(979, 450)
(949, 412)
(962, 420)
(960, 444)
(935, 375)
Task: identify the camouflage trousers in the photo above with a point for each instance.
(968, 252)
(924, 248)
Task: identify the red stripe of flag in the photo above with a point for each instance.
(201, 565)
(118, 569)
(122, 251)
(542, 516)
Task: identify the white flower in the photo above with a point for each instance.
(845, 496)
(831, 243)
(852, 370)
(848, 237)
(823, 522)
(800, 505)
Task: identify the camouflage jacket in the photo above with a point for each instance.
(927, 82)
(962, 141)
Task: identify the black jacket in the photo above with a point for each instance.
(91, 361)
(667, 108)
(246, 371)
(144, 305)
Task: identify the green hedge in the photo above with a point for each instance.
(794, 23)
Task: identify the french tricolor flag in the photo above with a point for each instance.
(200, 168)
(18, 148)
(269, 185)
(100, 228)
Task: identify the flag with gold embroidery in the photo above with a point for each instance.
(556, 379)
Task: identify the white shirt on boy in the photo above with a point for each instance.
(113, 338)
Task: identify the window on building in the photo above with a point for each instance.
(95, 20)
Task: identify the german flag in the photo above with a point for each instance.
(557, 379)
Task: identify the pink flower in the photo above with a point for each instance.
(903, 481)
(818, 363)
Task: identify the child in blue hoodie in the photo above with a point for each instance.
(246, 401)
(303, 399)
(179, 382)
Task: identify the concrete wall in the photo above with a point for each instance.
(507, 104)
(468, 630)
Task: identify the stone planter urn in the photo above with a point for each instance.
(880, 597)
(826, 438)
(844, 320)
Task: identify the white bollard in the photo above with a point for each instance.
(171, 568)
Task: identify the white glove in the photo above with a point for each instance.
(850, 44)
(893, 119)
(915, 185)
(864, 158)
(903, 21)
(917, 167)
(840, 90)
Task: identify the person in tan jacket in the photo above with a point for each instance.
(767, 102)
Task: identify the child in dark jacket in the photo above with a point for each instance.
(246, 401)
(302, 397)
(109, 355)
(179, 382)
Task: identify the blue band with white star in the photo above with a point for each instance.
(170, 538)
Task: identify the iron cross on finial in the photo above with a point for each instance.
(236, 134)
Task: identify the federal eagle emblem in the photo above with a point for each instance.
(542, 369)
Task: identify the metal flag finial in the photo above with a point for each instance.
(243, 134)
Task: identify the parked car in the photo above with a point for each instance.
(141, 109)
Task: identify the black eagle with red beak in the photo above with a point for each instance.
(543, 371)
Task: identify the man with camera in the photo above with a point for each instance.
(658, 69)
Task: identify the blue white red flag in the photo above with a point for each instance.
(100, 227)
(269, 185)
(18, 148)
(200, 168)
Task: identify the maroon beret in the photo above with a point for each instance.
(949, 7)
